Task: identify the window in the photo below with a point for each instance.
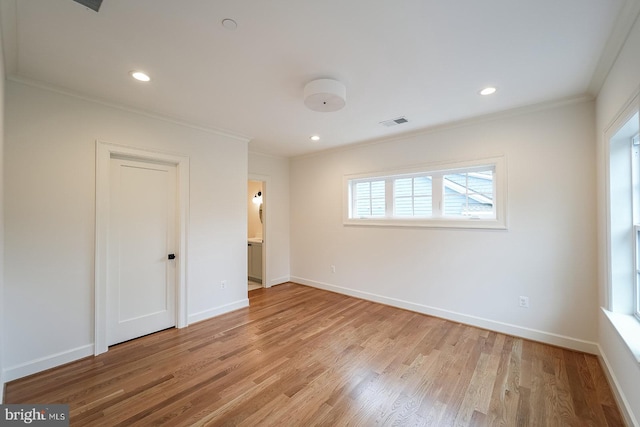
(636, 231)
(623, 217)
(635, 196)
(368, 199)
(465, 194)
(412, 197)
(622, 174)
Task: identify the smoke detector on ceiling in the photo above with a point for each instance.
(229, 24)
(325, 95)
(394, 122)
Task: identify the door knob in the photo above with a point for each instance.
(171, 256)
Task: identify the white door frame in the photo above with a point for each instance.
(266, 282)
(104, 153)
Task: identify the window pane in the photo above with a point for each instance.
(403, 207)
(377, 208)
(363, 208)
(422, 206)
(469, 194)
(412, 197)
(369, 199)
(637, 283)
(363, 189)
(402, 187)
(454, 202)
(422, 186)
(377, 189)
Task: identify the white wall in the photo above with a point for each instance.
(50, 219)
(622, 83)
(548, 252)
(275, 172)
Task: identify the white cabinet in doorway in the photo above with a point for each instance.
(255, 261)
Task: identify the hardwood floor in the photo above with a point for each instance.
(301, 356)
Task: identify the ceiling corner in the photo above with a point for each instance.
(621, 28)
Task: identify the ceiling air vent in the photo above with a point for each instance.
(394, 122)
(91, 4)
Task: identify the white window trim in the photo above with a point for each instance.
(635, 171)
(500, 196)
(636, 284)
(620, 315)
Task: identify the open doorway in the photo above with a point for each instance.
(255, 231)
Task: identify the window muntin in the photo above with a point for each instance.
(465, 194)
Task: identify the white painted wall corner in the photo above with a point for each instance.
(621, 399)
(279, 281)
(217, 311)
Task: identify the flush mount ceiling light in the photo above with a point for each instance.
(488, 91)
(140, 76)
(314, 138)
(325, 95)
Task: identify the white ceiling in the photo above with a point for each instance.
(423, 59)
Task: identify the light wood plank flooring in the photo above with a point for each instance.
(301, 356)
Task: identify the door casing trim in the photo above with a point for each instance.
(104, 152)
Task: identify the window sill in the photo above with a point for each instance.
(628, 328)
(428, 223)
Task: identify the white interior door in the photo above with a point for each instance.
(141, 277)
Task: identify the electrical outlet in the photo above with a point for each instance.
(223, 284)
(333, 268)
(523, 302)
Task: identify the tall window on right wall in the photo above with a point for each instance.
(635, 191)
(624, 216)
(622, 195)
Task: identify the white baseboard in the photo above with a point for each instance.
(493, 325)
(51, 361)
(279, 281)
(212, 312)
(47, 362)
(621, 399)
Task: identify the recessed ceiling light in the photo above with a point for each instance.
(229, 24)
(315, 138)
(488, 91)
(140, 76)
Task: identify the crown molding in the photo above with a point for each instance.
(620, 33)
(177, 121)
(516, 111)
